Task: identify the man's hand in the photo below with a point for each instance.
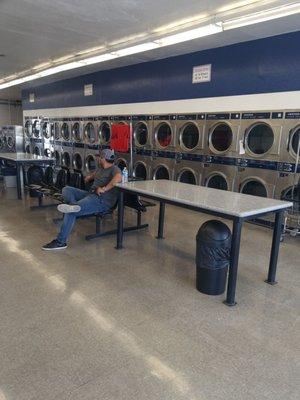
(100, 190)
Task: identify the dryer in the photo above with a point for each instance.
(290, 141)
(222, 134)
(285, 183)
(78, 158)
(257, 178)
(47, 129)
(123, 160)
(91, 161)
(142, 164)
(104, 131)
(66, 143)
(188, 168)
(190, 133)
(142, 127)
(27, 128)
(36, 128)
(90, 133)
(261, 134)
(164, 132)
(77, 130)
(219, 173)
(163, 165)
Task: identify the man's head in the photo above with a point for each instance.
(106, 158)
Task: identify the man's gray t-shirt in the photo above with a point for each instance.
(102, 178)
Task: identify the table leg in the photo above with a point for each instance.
(234, 261)
(19, 188)
(275, 248)
(120, 220)
(160, 233)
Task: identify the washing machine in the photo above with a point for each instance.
(260, 135)
(142, 165)
(290, 143)
(257, 180)
(188, 171)
(164, 132)
(142, 126)
(104, 131)
(162, 165)
(190, 133)
(219, 173)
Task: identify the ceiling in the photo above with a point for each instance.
(34, 32)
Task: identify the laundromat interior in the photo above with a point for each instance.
(149, 200)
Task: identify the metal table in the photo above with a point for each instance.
(236, 207)
(22, 159)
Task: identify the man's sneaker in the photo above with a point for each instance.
(68, 208)
(54, 245)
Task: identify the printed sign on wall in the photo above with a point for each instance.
(31, 97)
(202, 73)
(88, 90)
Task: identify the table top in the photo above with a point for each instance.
(24, 157)
(216, 200)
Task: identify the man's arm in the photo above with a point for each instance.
(116, 179)
(90, 177)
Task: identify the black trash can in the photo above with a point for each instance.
(212, 257)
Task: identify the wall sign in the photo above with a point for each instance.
(31, 97)
(202, 73)
(88, 90)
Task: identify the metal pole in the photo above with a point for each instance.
(275, 248)
(234, 261)
(160, 233)
(120, 221)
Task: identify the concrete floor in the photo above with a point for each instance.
(94, 323)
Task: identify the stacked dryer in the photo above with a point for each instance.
(47, 129)
(289, 169)
(11, 139)
(163, 154)
(57, 142)
(122, 159)
(37, 139)
(90, 136)
(189, 148)
(66, 143)
(260, 135)
(78, 158)
(28, 148)
(142, 143)
(221, 150)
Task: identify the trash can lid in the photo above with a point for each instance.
(214, 230)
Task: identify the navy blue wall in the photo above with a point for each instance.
(260, 66)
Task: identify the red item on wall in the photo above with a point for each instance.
(120, 137)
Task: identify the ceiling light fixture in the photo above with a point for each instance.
(262, 16)
(154, 43)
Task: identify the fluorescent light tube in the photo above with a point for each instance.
(190, 35)
(136, 49)
(262, 16)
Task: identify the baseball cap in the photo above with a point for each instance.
(107, 154)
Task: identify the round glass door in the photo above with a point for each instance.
(10, 142)
(36, 129)
(217, 181)
(28, 129)
(90, 163)
(46, 130)
(141, 134)
(163, 134)
(220, 138)
(294, 142)
(89, 132)
(189, 136)
(161, 172)
(259, 139)
(47, 153)
(27, 149)
(37, 151)
(254, 188)
(187, 176)
(140, 171)
(77, 161)
(56, 131)
(104, 133)
(65, 132)
(66, 160)
(76, 132)
(57, 157)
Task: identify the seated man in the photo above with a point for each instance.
(101, 198)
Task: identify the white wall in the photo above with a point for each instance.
(11, 114)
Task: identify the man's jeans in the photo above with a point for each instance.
(90, 203)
